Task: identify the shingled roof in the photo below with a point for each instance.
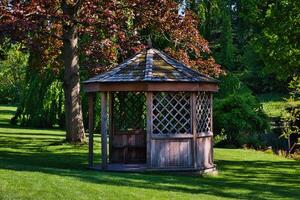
(151, 65)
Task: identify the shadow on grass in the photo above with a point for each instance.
(257, 178)
(7, 112)
(25, 135)
(6, 115)
(12, 126)
(255, 185)
(237, 179)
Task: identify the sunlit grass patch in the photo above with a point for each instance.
(38, 164)
(275, 104)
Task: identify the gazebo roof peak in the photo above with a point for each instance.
(151, 65)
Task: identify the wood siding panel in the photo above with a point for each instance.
(137, 140)
(128, 148)
(171, 153)
(119, 141)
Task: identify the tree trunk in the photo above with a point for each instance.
(73, 111)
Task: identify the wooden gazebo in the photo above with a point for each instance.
(157, 113)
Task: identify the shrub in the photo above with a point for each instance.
(239, 114)
(291, 118)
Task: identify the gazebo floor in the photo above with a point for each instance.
(123, 167)
(143, 168)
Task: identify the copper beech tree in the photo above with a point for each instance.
(100, 33)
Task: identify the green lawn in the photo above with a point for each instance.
(6, 113)
(35, 164)
(274, 104)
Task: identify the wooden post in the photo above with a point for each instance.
(104, 129)
(111, 124)
(211, 127)
(211, 111)
(149, 96)
(194, 128)
(91, 102)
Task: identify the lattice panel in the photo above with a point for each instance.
(171, 113)
(203, 112)
(129, 111)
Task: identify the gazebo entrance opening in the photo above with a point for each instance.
(128, 131)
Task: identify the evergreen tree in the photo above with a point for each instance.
(227, 50)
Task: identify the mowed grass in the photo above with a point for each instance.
(36, 164)
(6, 112)
(275, 104)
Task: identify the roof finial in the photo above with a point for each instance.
(149, 42)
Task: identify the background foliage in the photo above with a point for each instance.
(238, 114)
(13, 63)
(255, 42)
